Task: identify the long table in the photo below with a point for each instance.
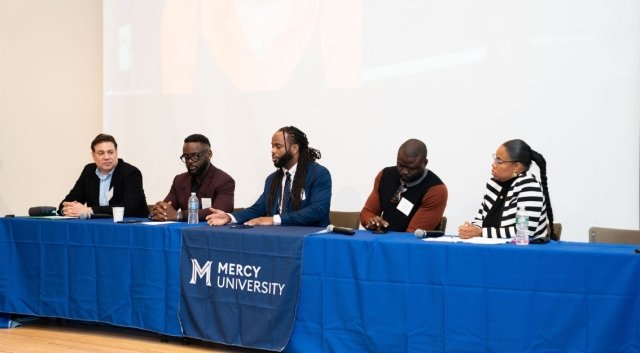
(377, 293)
(93, 270)
(398, 294)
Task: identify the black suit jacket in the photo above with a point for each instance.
(126, 182)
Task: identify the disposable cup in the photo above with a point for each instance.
(118, 214)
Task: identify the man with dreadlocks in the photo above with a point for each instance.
(298, 193)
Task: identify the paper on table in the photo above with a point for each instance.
(53, 217)
(158, 223)
(481, 240)
(474, 240)
(443, 239)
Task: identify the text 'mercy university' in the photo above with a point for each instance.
(236, 277)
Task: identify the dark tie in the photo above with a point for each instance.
(286, 194)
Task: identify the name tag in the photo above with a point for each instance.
(405, 206)
(206, 202)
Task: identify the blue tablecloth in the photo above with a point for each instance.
(93, 270)
(376, 293)
(394, 293)
(241, 286)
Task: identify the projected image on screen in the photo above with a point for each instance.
(360, 77)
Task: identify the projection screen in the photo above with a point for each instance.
(360, 77)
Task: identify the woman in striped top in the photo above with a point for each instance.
(513, 187)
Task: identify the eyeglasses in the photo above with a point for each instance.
(193, 157)
(398, 195)
(499, 161)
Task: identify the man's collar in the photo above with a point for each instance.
(292, 170)
(104, 176)
(414, 183)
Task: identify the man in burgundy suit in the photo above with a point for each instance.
(213, 186)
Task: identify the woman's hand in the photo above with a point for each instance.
(468, 230)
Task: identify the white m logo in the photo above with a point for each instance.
(200, 271)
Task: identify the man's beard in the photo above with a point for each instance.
(282, 161)
(199, 170)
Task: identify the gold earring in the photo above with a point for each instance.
(514, 174)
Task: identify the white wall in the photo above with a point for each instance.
(50, 97)
(360, 77)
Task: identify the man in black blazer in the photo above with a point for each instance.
(108, 182)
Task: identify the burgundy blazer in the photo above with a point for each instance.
(216, 184)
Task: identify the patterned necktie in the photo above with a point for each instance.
(286, 194)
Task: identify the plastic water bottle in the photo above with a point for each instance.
(193, 209)
(522, 227)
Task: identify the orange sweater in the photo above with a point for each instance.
(427, 216)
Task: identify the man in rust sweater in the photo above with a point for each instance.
(407, 196)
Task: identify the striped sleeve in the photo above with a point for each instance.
(525, 193)
(531, 199)
(493, 189)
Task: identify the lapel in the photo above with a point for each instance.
(115, 177)
(207, 180)
(185, 188)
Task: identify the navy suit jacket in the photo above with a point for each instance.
(216, 184)
(315, 206)
(126, 182)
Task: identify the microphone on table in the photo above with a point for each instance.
(42, 211)
(85, 215)
(421, 233)
(341, 230)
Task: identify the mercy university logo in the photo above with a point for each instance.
(197, 271)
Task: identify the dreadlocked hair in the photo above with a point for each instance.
(306, 156)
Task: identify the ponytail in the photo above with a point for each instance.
(542, 164)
